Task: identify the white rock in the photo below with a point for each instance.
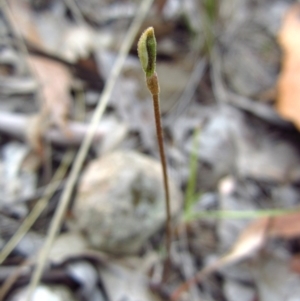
(121, 203)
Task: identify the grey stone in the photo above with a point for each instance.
(232, 143)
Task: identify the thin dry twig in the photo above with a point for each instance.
(101, 106)
(16, 124)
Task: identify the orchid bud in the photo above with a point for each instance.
(147, 51)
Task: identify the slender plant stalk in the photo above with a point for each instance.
(159, 134)
(147, 55)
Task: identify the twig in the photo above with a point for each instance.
(75, 170)
(16, 125)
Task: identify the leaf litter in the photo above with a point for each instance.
(251, 240)
(129, 105)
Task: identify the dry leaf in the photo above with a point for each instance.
(285, 226)
(288, 102)
(249, 242)
(55, 81)
(22, 21)
(253, 237)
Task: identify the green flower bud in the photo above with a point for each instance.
(147, 51)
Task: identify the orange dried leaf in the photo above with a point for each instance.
(288, 101)
(285, 226)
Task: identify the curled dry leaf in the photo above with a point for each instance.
(288, 102)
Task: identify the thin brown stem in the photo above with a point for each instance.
(159, 134)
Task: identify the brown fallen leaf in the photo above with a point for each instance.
(54, 81)
(288, 97)
(285, 226)
(20, 17)
(250, 241)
